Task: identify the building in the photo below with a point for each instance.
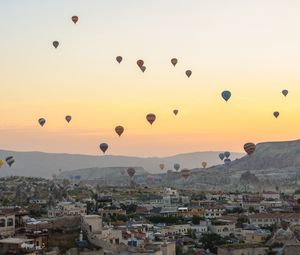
(67, 209)
(269, 219)
(214, 211)
(222, 228)
(17, 246)
(7, 224)
(270, 195)
(242, 249)
(257, 236)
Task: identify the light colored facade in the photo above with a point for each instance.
(93, 223)
(270, 195)
(175, 230)
(223, 230)
(269, 219)
(7, 225)
(242, 250)
(214, 212)
(67, 209)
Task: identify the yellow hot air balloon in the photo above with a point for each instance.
(1, 163)
(119, 130)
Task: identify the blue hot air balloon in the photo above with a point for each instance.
(221, 156)
(226, 94)
(227, 161)
(103, 147)
(227, 154)
(176, 166)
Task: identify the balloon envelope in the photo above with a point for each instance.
(151, 118)
(227, 161)
(42, 121)
(185, 173)
(175, 112)
(1, 163)
(176, 166)
(55, 44)
(226, 94)
(204, 164)
(162, 166)
(221, 156)
(249, 148)
(276, 114)
(68, 118)
(10, 160)
(188, 73)
(103, 147)
(75, 19)
(143, 68)
(174, 61)
(119, 130)
(227, 154)
(285, 92)
(119, 59)
(140, 63)
(131, 171)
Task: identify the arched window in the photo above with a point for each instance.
(2, 223)
(10, 222)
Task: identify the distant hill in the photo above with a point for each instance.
(41, 164)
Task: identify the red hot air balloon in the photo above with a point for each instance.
(276, 114)
(131, 172)
(175, 112)
(185, 173)
(103, 147)
(75, 19)
(249, 148)
(119, 130)
(55, 44)
(140, 63)
(174, 61)
(188, 73)
(42, 121)
(119, 59)
(68, 118)
(151, 118)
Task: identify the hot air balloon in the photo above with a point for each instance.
(175, 112)
(227, 154)
(188, 73)
(119, 130)
(122, 171)
(221, 156)
(276, 114)
(185, 173)
(119, 59)
(68, 118)
(103, 147)
(176, 166)
(149, 178)
(249, 148)
(204, 164)
(10, 160)
(162, 166)
(131, 172)
(227, 161)
(55, 44)
(42, 121)
(285, 92)
(226, 94)
(75, 19)
(140, 63)
(151, 118)
(1, 163)
(143, 68)
(174, 61)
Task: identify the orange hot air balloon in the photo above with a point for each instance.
(151, 118)
(75, 19)
(162, 166)
(276, 114)
(140, 63)
(119, 130)
(249, 148)
(188, 73)
(185, 173)
(175, 112)
(174, 61)
(204, 164)
(143, 68)
(119, 59)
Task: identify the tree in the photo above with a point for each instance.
(212, 241)
(196, 219)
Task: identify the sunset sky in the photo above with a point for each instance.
(251, 48)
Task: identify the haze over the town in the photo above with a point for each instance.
(251, 48)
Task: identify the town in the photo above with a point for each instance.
(42, 216)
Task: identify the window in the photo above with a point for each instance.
(2, 223)
(10, 222)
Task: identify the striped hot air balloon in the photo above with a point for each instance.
(249, 148)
